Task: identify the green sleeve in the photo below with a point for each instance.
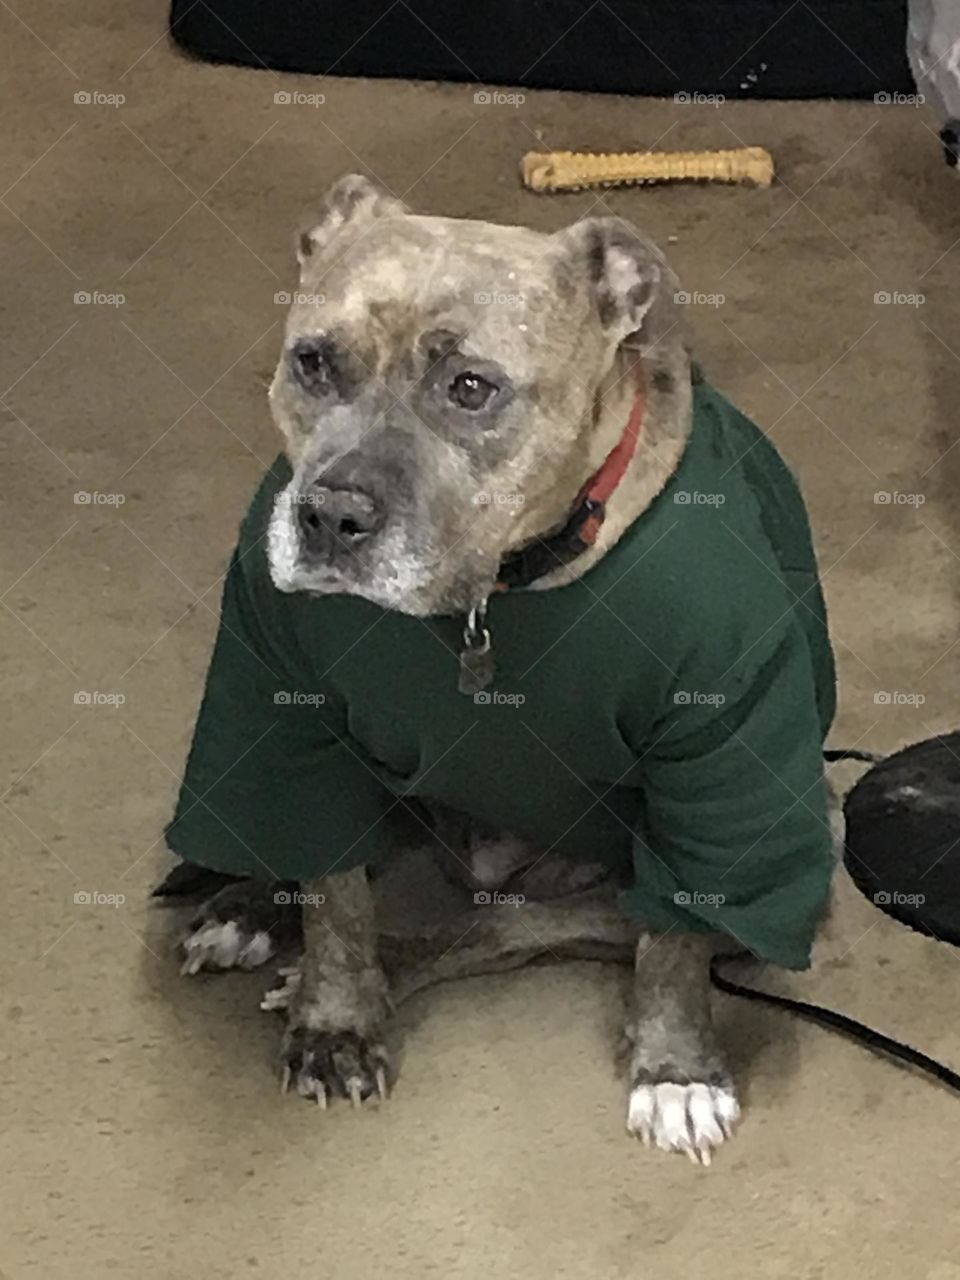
(274, 787)
(734, 834)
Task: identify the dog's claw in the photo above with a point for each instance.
(195, 960)
(325, 1064)
(693, 1118)
(285, 1078)
(278, 998)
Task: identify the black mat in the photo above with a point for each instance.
(903, 836)
(740, 48)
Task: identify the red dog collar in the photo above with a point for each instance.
(582, 527)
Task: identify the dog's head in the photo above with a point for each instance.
(444, 390)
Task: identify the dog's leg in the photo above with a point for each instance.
(681, 1095)
(241, 927)
(494, 939)
(338, 1001)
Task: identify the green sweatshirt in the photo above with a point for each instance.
(665, 713)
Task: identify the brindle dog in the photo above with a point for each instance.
(588, 301)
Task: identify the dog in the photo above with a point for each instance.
(525, 587)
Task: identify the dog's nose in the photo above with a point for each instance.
(332, 519)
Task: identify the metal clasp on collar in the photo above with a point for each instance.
(476, 656)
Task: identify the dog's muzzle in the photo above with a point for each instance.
(333, 520)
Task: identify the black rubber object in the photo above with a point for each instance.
(903, 836)
(740, 48)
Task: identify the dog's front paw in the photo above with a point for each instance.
(694, 1118)
(323, 1060)
(324, 1064)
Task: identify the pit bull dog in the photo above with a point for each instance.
(525, 586)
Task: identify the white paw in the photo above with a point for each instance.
(694, 1118)
(223, 945)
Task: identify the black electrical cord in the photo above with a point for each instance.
(858, 1031)
(833, 754)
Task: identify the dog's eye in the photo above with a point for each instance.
(312, 366)
(470, 391)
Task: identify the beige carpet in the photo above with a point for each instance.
(143, 1131)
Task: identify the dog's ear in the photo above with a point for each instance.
(353, 198)
(627, 276)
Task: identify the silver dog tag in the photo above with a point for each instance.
(476, 656)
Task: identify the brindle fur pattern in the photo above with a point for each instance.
(336, 1015)
(391, 307)
(406, 308)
